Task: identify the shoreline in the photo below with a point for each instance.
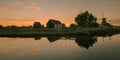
(69, 32)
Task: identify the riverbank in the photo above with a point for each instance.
(81, 31)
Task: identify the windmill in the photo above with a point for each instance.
(104, 21)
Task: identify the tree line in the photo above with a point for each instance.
(84, 19)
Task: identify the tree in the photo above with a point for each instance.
(36, 25)
(12, 27)
(1, 26)
(42, 26)
(85, 19)
(73, 25)
(63, 25)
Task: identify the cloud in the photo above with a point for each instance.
(8, 50)
(20, 54)
(33, 6)
(16, 19)
(3, 7)
(8, 8)
(19, 3)
(30, 6)
(35, 51)
(76, 10)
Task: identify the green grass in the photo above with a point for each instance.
(59, 32)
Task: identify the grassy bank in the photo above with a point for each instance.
(81, 31)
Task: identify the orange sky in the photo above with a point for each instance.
(25, 12)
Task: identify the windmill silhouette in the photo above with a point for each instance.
(105, 19)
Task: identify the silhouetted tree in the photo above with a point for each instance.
(86, 19)
(1, 26)
(12, 27)
(36, 25)
(42, 26)
(63, 25)
(73, 25)
(24, 27)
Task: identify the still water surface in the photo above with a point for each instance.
(60, 48)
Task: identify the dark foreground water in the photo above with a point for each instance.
(60, 48)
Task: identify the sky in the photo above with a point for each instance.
(25, 12)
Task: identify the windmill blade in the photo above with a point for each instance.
(99, 18)
(114, 19)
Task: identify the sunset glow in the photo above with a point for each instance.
(25, 12)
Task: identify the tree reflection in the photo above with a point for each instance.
(37, 38)
(82, 41)
(85, 42)
(53, 38)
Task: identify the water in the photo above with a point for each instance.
(60, 48)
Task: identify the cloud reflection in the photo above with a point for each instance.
(19, 47)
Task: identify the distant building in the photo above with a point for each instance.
(54, 24)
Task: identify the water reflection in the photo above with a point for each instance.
(53, 38)
(82, 41)
(68, 47)
(37, 38)
(86, 42)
